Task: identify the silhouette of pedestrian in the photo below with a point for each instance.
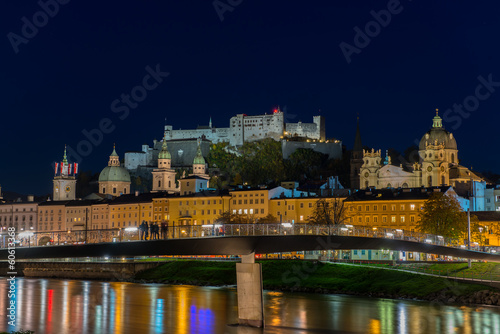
(146, 230)
(152, 231)
(164, 230)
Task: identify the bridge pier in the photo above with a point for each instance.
(249, 289)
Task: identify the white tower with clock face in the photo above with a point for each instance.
(64, 180)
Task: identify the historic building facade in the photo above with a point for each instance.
(437, 165)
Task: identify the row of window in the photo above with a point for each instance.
(402, 207)
(249, 195)
(16, 210)
(251, 201)
(16, 218)
(248, 211)
(385, 219)
(186, 212)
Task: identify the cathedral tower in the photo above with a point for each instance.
(164, 175)
(64, 180)
(199, 164)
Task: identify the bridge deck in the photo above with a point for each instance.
(239, 245)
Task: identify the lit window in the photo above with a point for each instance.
(412, 206)
(393, 219)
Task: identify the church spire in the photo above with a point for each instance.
(164, 153)
(65, 157)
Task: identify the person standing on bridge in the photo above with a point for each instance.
(164, 230)
(151, 231)
(146, 230)
(141, 231)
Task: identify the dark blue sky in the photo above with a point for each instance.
(64, 78)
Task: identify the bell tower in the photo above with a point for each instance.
(64, 180)
(164, 175)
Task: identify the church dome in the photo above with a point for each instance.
(437, 134)
(114, 173)
(164, 153)
(198, 159)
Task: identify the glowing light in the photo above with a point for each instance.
(428, 241)
(390, 234)
(131, 229)
(286, 224)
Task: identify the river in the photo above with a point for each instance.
(73, 307)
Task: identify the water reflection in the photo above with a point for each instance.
(69, 306)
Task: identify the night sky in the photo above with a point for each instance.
(63, 79)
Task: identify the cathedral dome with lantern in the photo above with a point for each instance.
(114, 179)
(438, 135)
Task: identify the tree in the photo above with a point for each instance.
(442, 215)
(230, 218)
(330, 212)
(269, 219)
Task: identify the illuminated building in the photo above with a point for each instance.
(64, 180)
(114, 179)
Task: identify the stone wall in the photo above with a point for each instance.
(80, 270)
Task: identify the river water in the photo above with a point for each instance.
(72, 306)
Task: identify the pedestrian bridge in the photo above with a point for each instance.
(237, 239)
(245, 241)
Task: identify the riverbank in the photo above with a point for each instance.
(317, 277)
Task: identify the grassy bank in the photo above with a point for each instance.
(296, 275)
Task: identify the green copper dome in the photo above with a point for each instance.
(198, 159)
(114, 173)
(164, 153)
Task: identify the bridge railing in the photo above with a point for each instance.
(28, 239)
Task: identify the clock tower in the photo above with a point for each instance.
(64, 180)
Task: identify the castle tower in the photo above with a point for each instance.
(64, 183)
(438, 152)
(114, 179)
(164, 176)
(356, 159)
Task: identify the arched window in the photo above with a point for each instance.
(429, 181)
(405, 185)
(389, 185)
(169, 183)
(124, 190)
(453, 158)
(159, 183)
(366, 184)
(443, 180)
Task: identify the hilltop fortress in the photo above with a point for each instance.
(242, 128)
